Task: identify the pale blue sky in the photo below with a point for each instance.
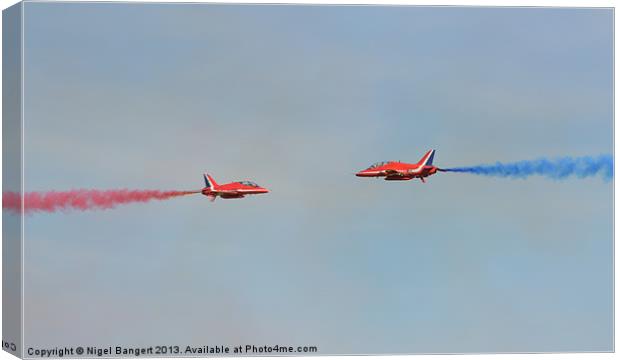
(298, 98)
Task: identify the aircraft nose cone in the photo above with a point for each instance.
(264, 191)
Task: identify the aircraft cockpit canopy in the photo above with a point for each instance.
(377, 164)
(248, 183)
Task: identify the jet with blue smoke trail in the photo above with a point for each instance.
(558, 169)
(399, 171)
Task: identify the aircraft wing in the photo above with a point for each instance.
(228, 192)
(394, 172)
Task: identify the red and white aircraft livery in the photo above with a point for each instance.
(233, 190)
(396, 170)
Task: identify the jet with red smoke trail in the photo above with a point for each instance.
(396, 170)
(233, 190)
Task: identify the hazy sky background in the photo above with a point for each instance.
(298, 98)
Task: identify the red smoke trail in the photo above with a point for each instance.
(52, 201)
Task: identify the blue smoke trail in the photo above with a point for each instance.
(560, 168)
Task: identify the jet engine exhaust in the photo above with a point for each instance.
(82, 199)
(558, 169)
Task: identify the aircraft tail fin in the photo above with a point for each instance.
(427, 159)
(209, 182)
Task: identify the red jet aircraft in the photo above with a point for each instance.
(233, 190)
(396, 170)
